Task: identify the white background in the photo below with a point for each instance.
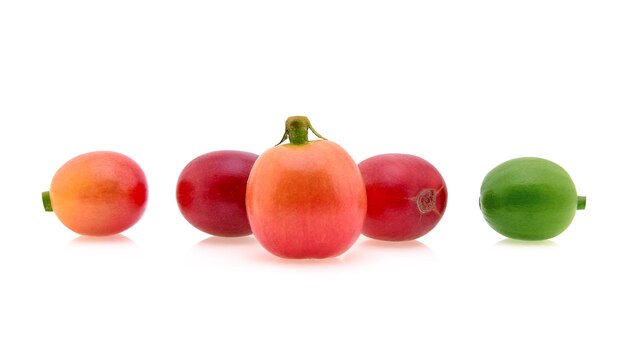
(463, 84)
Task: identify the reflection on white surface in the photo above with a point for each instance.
(271, 259)
(90, 248)
(221, 242)
(526, 243)
(369, 250)
(231, 250)
(414, 246)
(247, 248)
(110, 240)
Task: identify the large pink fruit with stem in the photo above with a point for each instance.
(211, 192)
(305, 199)
(406, 196)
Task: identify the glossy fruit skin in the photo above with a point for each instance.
(211, 192)
(406, 196)
(306, 201)
(528, 198)
(99, 193)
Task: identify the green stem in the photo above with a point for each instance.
(297, 130)
(47, 203)
(582, 202)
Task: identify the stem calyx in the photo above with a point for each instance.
(297, 130)
(47, 202)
